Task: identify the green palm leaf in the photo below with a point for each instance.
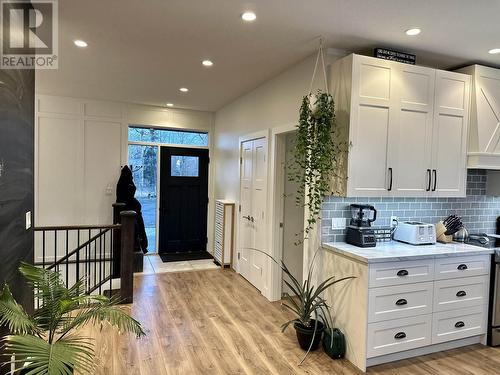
(13, 315)
(114, 315)
(37, 356)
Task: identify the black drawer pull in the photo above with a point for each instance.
(462, 267)
(400, 335)
(459, 324)
(402, 273)
(401, 302)
(461, 293)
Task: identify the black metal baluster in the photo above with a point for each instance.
(111, 271)
(43, 249)
(55, 250)
(95, 263)
(88, 262)
(67, 261)
(78, 256)
(100, 261)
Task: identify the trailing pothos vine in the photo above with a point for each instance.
(316, 154)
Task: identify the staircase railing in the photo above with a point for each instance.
(101, 254)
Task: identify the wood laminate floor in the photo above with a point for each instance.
(215, 322)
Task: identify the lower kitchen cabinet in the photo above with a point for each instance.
(398, 335)
(458, 324)
(401, 309)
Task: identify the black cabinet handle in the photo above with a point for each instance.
(461, 293)
(459, 324)
(400, 335)
(390, 180)
(434, 172)
(462, 267)
(428, 180)
(402, 273)
(401, 302)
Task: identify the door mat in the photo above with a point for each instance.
(177, 257)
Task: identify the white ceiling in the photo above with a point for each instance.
(142, 51)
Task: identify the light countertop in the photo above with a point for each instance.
(398, 251)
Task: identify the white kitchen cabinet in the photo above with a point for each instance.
(409, 307)
(449, 141)
(412, 130)
(372, 111)
(405, 125)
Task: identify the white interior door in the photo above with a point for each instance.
(412, 131)
(451, 114)
(259, 206)
(246, 237)
(253, 200)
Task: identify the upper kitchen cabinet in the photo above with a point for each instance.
(406, 127)
(484, 133)
(449, 141)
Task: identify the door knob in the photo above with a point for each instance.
(247, 217)
(251, 219)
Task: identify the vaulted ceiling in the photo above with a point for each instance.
(143, 51)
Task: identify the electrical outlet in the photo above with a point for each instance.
(338, 223)
(394, 221)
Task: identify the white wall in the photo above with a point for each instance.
(274, 104)
(293, 219)
(80, 145)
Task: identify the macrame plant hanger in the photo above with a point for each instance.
(319, 56)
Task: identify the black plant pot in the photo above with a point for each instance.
(334, 343)
(305, 334)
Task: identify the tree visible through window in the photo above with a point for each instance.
(166, 136)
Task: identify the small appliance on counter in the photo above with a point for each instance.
(359, 231)
(415, 233)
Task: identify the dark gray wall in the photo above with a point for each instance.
(17, 91)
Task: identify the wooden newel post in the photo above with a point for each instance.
(117, 209)
(127, 256)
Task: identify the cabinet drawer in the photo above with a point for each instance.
(457, 324)
(448, 268)
(460, 293)
(393, 302)
(397, 273)
(398, 335)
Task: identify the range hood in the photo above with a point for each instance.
(484, 127)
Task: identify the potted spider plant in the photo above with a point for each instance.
(47, 341)
(307, 304)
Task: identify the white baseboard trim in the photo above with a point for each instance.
(424, 350)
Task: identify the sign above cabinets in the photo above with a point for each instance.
(388, 54)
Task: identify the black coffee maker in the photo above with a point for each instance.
(359, 231)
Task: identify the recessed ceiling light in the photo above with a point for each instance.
(170, 104)
(184, 89)
(248, 16)
(80, 43)
(494, 51)
(207, 63)
(413, 32)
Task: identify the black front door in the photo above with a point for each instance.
(183, 200)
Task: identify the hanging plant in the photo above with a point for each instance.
(318, 151)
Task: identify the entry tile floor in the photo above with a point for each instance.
(153, 264)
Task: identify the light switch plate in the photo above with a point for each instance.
(28, 220)
(338, 223)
